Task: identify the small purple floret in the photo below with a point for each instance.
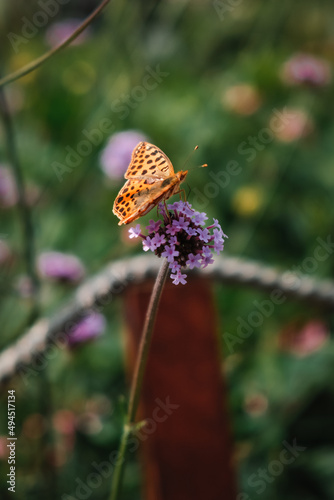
(194, 260)
(170, 253)
(153, 226)
(179, 278)
(134, 232)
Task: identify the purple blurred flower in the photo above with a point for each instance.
(306, 69)
(8, 191)
(60, 267)
(88, 328)
(116, 155)
(182, 238)
(60, 31)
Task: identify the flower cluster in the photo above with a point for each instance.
(182, 238)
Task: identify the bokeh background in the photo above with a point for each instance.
(252, 84)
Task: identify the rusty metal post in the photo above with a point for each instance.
(186, 446)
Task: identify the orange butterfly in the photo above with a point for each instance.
(151, 179)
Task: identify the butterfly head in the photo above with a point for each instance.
(181, 175)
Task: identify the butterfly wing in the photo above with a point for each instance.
(148, 161)
(139, 196)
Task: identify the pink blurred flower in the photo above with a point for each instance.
(8, 191)
(59, 266)
(4, 252)
(64, 422)
(306, 69)
(24, 286)
(296, 125)
(305, 339)
(256, 404)
(88, 328)
(116, 155)
(3, 447)
(60, 31)
(89, 423)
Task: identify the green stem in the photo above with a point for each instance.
(23, 207)
(138, 376)
(40, 60)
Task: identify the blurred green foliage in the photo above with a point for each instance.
(273, 210)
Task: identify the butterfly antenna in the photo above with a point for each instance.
(190, 155)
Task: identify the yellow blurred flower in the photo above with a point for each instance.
(247, 200)
(79, 78)
(17, 62)
(243, 99)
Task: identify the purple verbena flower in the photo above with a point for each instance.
(116, 155)
(60, 267)
(88, 328)
(182, 238)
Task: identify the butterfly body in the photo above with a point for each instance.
(150, 180)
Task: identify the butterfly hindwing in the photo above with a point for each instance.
(136, 198)
(149, 161)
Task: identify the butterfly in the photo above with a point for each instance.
(151, 179)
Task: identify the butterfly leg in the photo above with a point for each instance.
(182, 194)
(167, 212)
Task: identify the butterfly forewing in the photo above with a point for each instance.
(149, 161)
